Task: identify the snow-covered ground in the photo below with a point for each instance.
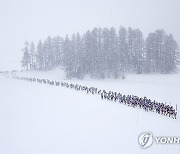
(37, 118)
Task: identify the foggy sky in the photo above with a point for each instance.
(31, 20)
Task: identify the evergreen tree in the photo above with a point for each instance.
(68, 57)
(26, 57)
(138, 51)
(104, 53)
(150, 56)
(79, 56)
(100, 55)
(57, 51)
(113, 47)
(123, 54)
(40, 56)
(32, 56)
(171, 54)
(49, 52)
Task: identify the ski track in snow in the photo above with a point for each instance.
(37, 118)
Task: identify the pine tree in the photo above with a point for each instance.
(49, 53)
(26, 57)
(87, 52)
(114, 61)
(57, 50)
(79, 56)
(123, 54)
(32, 56)
(100, 55)
(68, 57)
(131, 51)
(94, 52)
(104, 53)
(150, 56)
(171, 54)
(138, 51)
(40, 56)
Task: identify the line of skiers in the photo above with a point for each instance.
(77, 87)
(143, 103)
(129, 100)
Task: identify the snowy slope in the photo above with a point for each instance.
(163, 88)
(38, 118)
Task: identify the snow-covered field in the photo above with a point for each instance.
(37, 118)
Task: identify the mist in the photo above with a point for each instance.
(32, 20)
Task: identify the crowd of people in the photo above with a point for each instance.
(140, 102)
(129, 100)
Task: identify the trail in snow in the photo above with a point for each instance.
(45, 119)
(132, 101)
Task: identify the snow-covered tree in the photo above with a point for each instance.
(104, 53)
(40, 56)
(26, 57)
(32, 56)
(123, 54)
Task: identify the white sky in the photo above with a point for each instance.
(32, 20)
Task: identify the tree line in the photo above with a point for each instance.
(104, 53)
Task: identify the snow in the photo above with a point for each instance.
(37, 118)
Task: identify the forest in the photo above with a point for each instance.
(104, 53)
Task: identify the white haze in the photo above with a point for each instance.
(32, 20)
